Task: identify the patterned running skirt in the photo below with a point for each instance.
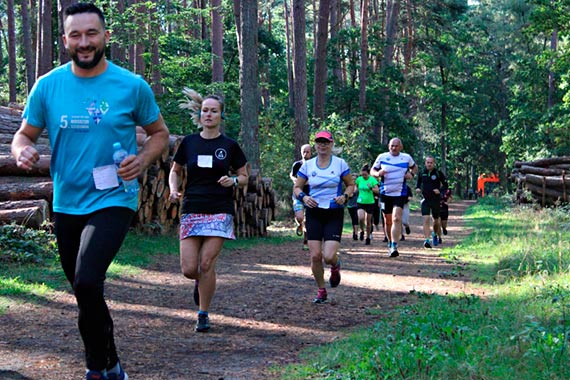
(221, 225)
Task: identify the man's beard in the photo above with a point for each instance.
(86, 65)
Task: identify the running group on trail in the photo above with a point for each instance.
(324, 186)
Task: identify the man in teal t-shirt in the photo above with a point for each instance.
(86, 106)
(367, 186)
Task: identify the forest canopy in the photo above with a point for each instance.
(477, 84)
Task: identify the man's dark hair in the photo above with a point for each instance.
(84, 8)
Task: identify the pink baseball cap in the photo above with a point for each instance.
(324, 135)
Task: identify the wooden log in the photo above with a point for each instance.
(22, 188)
(8, 167)
(545, 162)
(549, 181)
(30, 213)
(526, 169)
(547, 192)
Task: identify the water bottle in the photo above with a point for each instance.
(132, 186)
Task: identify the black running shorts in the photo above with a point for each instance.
(324, 224)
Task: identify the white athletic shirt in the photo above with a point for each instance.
(393, 183)
(325, 183)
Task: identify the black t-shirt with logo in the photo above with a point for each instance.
(430, 180)
(207, 160)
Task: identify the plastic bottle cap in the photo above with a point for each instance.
(117, 145)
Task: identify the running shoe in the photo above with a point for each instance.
(427, 244)
(196, 294)
(367, 242)
(299, 230)
(394, 252)
(334, 279)
(407, 229)
(403, 237)
(354, 236)
(444, 230)
(95, 375)
(117, 376)
(385, 239)
(321, 296)
(439, 241)
(434, 240)
(203, 323)
(361, 235)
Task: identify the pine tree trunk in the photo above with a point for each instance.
(300, 76)
(61, 6)
(27, 39)
(217, 42)
(363, 55)
(248, 83)
(321, 70)
(12, 74)
(44, 48)
(290, 86)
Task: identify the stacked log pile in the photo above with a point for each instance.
(26, 196)
(548, 180)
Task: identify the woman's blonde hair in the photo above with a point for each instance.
(193, 101)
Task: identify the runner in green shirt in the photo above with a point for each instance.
(367, 186)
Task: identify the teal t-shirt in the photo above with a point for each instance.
(365, 194)
(83, 118)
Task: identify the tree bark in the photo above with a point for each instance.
(8, 167)
(545, 162)
(12, 72)
(300, 77)
(249, 90)
(237, 18)
(335, 26)
(526, 169)
(154, 32)
(363, 55)
(204, 21)
(61, 6)
(44, 52)
(290, 86)
(118, 51)
(29, 213)
(321, 69)
(28, 50)
(217, 42)
(22, 188)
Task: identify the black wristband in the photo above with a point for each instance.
(301, 196)
(345, 196)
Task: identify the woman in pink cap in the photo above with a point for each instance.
(325, 174)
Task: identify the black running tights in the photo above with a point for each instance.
(87, 245)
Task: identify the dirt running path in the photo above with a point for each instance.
(262, 313)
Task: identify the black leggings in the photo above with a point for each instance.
(87, 245)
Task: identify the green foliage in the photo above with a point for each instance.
(484, 64)
(19, 244)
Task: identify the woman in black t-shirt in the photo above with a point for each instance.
(207, 216)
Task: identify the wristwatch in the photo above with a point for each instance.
(236, 182)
